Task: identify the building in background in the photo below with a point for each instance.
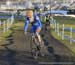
(21, 4)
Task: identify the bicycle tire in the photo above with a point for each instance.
(33, 49)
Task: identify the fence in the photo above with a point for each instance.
(5, 25)
(60, 30)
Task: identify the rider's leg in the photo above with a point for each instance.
(41, 43)
(37, 34)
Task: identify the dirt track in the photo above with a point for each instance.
(17, 50)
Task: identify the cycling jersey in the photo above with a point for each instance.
(34, 25)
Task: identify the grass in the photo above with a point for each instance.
(65, 20)
(67, 32)
(68, 22)
(18, 25)
(4, 35)
(65, 42)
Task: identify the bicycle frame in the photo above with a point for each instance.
(34, 42)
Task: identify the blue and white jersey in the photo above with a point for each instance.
(35, 24)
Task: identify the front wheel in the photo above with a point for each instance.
(34, 49)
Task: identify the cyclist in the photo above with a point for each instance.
(36, 24)
(47, 25)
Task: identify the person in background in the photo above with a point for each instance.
(47, 24)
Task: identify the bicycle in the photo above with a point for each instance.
(35, 46)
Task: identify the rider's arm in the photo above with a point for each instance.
(26, 25)
(39, 21)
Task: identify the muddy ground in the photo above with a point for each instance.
(16, 50)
